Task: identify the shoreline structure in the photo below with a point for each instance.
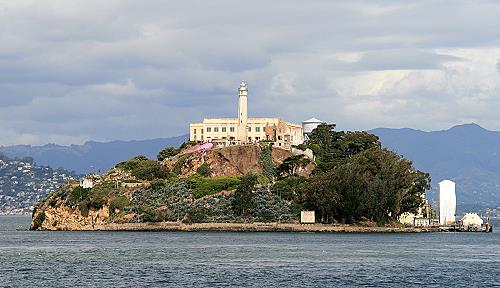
(255, 227)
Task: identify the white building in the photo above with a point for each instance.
(87, 183)
(447, 202)
(471, 220)
(226, 131)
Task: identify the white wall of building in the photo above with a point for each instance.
(447, 202)
(472, 219)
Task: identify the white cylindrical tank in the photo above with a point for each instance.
(309, 125)
(447, 202)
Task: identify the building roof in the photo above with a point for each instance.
(313, 120)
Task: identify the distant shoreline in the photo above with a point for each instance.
(251, 227)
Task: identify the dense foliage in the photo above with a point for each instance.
(243, 196)
(268, 168)
(143, 168)
(356, 179)
(202, 186)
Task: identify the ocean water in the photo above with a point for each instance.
(215, 259)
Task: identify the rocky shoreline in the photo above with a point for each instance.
(250, 227)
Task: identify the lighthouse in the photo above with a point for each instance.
(243, 112)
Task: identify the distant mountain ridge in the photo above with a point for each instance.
(91, 156)
(467, 154)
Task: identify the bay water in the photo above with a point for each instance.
(217, 259)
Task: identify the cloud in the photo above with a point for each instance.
(104, 70)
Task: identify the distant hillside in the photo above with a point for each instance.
(467, 154)
(23, 183)
(91, 156)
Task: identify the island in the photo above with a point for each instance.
(350, 182)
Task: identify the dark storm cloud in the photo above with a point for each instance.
(77, 70)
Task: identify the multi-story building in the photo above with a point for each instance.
(241, 130)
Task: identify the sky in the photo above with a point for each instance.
(72, 71)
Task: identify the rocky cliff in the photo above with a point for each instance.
(229, 161)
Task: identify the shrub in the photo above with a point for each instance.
(37, 223)
(204, 170)
(180, 162)
(157, 184)
(129, 165)
(149, 170)
(96, 202)
(269, 207)
(144, 169)
(195, 215)
(207, 186)
(119, 203)
(167, 152)
(78, 194)
(105, 189)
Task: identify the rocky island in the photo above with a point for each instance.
(351, 183)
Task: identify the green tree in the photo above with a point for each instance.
(380, 185)
(290, 188)
(332, 148)
(322, 196)
(243, 196)
(167, 152)
(149, 170)
(291, 164)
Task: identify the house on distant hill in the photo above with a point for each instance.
(242, 130)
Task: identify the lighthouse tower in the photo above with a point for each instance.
(242, 112)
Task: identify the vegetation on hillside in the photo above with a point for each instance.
(354, 180)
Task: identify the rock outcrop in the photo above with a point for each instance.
(66, 218)
(228, 161)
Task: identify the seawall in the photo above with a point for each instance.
(254, 227)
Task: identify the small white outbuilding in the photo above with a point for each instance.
(87, 183)
(407, 218)
(471, 220)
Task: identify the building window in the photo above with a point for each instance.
(216, 129)
(223, 129)
(257, 138)
(249, 129)
(194, 131)
(209, 129)
(257, 129)
(231, 129)
(201, 134)
(249, 138)
(279, 137)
